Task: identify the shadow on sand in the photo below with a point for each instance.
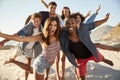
(94, 72)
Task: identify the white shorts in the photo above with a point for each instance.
(27, 52)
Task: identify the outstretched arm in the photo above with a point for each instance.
(44, 3)
(98, 23)
(4, 41)
(21, 39)
(106, 47)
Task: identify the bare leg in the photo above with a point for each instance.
(106, 47)
(77, 76)
(28, 62)
(63, 66)
(47, 73)
(22, 65)
(82, 78)
(109, 62)
(38, 76)
(14, 57)
(57, 66)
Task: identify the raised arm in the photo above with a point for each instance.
(98, 23)
(93, 16)
(21, 39)
(99, 7)
(88, 14)
(44, 3)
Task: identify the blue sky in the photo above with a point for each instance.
(14, 12)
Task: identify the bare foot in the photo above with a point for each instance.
(8, 61)
(58, 77)
(62, 78)
(46, 77)
(108, 62)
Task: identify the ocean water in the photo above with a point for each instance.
(13, 43)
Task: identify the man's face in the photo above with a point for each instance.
(36, 22)
(71, 25)
(52, 8)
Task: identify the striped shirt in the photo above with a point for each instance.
(51, 51)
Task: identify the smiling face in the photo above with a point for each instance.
(36, 19)
(71, 25)
(52, 28)
(66, 12)
(78, 19)
(52, 9)
(36, 22)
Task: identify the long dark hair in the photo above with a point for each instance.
(63, 16)
(45, 29)
(81, 16)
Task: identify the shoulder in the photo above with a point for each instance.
(44, 12)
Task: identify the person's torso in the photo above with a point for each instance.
(31, 44)
(51, 51)
(79, 50)
(45, 15)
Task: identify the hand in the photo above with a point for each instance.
(89, 12)
(117, 49)
(107, 16)
(1, 44)
(42, 0)
(99, 7)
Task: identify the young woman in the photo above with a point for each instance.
(77, 45)
(62, 18)
(49, 40)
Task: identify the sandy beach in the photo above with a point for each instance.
(95, 71)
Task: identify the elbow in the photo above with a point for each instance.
(19, 39)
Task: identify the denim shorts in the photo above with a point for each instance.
(41, 64)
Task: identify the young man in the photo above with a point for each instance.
(32, 49)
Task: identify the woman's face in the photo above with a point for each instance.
(71, 25)
(78, 19)
(66, 12)
(36, 22)
(52, 27)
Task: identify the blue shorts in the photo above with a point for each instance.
(41, 64)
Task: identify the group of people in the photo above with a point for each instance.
(46, 35)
